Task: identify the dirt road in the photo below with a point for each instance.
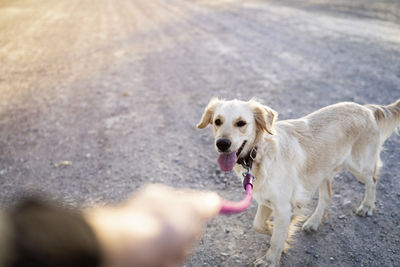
(99, 97)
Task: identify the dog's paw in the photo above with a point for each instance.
(310, 226)
(264, 229)
(271, 259)
(365, 210)
(264, 262)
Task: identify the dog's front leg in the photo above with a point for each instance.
(282, 217)
(261, 223)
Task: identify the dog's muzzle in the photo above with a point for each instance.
(223, 144)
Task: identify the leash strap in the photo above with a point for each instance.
(229, 207)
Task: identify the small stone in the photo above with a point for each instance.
(342, 217)
(227, 231)
(346, 202)
(308, 252)
(331, 258)
(316, 256)
(63, 163)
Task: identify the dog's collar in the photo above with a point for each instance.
(247, 161)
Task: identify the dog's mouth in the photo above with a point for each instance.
(226, 161)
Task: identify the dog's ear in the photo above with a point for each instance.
(208, 113)
(264, 116)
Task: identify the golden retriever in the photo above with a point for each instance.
(290, 159)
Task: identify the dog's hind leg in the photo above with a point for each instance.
(325, 195)
(367, 206)
(261, 223)
(364, 164)
(368, 175)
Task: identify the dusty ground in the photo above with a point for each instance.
(99, 97)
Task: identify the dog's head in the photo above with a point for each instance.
(236, 125)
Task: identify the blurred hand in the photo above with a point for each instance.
(158, 226)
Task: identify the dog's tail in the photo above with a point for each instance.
(387, 118)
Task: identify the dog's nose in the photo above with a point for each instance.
(223, 144)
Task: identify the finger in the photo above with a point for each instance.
(206, 204)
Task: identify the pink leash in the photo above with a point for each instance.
(229, 207)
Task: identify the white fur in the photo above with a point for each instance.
(297, 157)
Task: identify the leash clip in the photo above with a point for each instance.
(246, 166)
(248, 179)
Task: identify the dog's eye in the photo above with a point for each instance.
(218, 122)
(240, 123)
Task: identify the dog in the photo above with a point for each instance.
(291, 159)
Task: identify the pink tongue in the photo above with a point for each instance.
(226, 161)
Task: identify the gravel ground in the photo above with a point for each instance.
(99, 97)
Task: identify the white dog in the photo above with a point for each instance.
(290, 159)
